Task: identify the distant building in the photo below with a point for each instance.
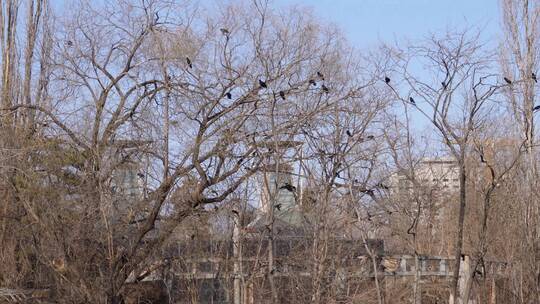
(440, 174)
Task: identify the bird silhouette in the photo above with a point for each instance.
(320, 75)
(188, 61)
(533, 75)
(412, 101)
(288, 187)
(507, 80)
(229, 95)
(348, 133)
(443, 85)
(371, 137)
(536, 108)
(282, 94)
(387, 79)
(225, 31)
(325, 89)
(278, 207)
(262, 84)
(312, 82)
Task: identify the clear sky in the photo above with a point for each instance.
(366, 22)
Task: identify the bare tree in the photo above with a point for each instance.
(519, 62)
(454, 95)
(143, 96)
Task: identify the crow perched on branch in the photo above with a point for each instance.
(225, 31)
(282, 94)
(262, 84)
(533, 75)
(325, 89)
(288, 187)
(412, 101)
(387, 80)
(348, 133)
(507, 80)
(229, 95)
(188, 61)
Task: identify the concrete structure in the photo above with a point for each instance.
(440, 173)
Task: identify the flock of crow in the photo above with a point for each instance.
(506, 79)
(325, 89)
(262, 83)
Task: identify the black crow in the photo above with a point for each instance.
(262, 84)
(320, 75)
(533, 75)
(386, 79)
(278, 207)
(536, 108)
(282, 94)
(348, 133)
(229, 95)
(443, 85)
(140, 175)
(325, 89)
(288, 187)
(312, 82)
(189, 62)
(507, 80)
(412, 101)
(371, 137)
(224, 31)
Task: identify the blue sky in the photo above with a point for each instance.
(367, 22)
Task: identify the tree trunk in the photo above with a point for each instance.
(461, 220)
